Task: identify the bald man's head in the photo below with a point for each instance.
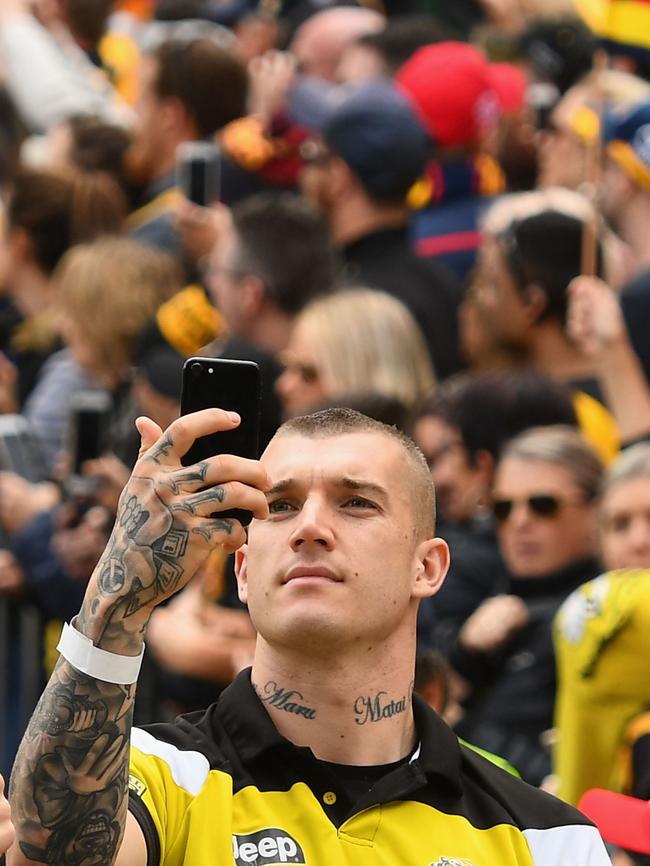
(319, 43)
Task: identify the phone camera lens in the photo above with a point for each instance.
(196, 369)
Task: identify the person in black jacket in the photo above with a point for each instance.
(544, 503)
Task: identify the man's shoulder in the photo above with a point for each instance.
(195, 738)
(528, 807)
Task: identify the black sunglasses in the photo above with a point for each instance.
(542, 506)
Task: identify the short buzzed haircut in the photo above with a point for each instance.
(340, 421)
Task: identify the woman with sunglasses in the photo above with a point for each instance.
(545, 504)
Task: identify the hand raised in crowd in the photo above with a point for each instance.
(595, 322)
(271, 76)
(168, 523)
(12, 577)
(8, 386)
(594, 318)
(10, 8)
(201, 228)
(112, 476)
(21, 500)
(7, 831)
(493, 624)
(194, 639)
(506, 15)
(78, 543)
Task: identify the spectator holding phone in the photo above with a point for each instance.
(49, 212)
(321, 745)
(107, 292)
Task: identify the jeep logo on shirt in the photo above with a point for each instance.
(267, 847)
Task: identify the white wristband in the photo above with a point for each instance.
(80, 651)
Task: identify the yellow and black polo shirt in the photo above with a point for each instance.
(224, 788)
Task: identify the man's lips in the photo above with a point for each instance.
(311, 571)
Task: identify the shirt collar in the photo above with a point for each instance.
(252, 731)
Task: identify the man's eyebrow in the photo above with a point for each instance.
(281, 486)
(359, 485)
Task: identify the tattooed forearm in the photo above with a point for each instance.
(289, 700)
(373, 709)
(69, 783)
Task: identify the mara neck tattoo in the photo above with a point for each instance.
(289, 700)
(369, 708)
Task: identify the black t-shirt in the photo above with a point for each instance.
(384, 260)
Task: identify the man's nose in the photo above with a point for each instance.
(313, 526)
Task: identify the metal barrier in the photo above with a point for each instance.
(22, 673)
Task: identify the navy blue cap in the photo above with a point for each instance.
(372, 127)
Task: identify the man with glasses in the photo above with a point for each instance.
(367, 150)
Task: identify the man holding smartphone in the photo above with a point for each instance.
(320, 754)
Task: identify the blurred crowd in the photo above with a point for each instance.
(436, 213)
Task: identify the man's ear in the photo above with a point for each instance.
(341, 178)
(484, 464)
(251, 295)
(20, 246)
(535, 301)
(241, 573)
(175, 117)
(432, 557)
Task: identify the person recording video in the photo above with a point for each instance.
(320, 753)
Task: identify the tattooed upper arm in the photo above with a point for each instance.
(69, 782)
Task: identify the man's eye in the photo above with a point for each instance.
(359, 502)
(280, 506)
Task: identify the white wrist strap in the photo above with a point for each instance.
(97, 663)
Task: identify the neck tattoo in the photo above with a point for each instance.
(289, 700)
(374, 709)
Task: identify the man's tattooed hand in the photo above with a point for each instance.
(69, 785)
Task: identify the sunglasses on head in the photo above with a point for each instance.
(543, 505)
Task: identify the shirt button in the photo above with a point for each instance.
(329, 798)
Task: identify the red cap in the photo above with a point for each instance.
(621, 820)
(457, 93)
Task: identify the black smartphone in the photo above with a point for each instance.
(198, 171)
(20, 449)
(88, 421)
(226, 384)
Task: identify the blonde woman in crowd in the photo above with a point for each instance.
(107, 291)
(355, 341)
